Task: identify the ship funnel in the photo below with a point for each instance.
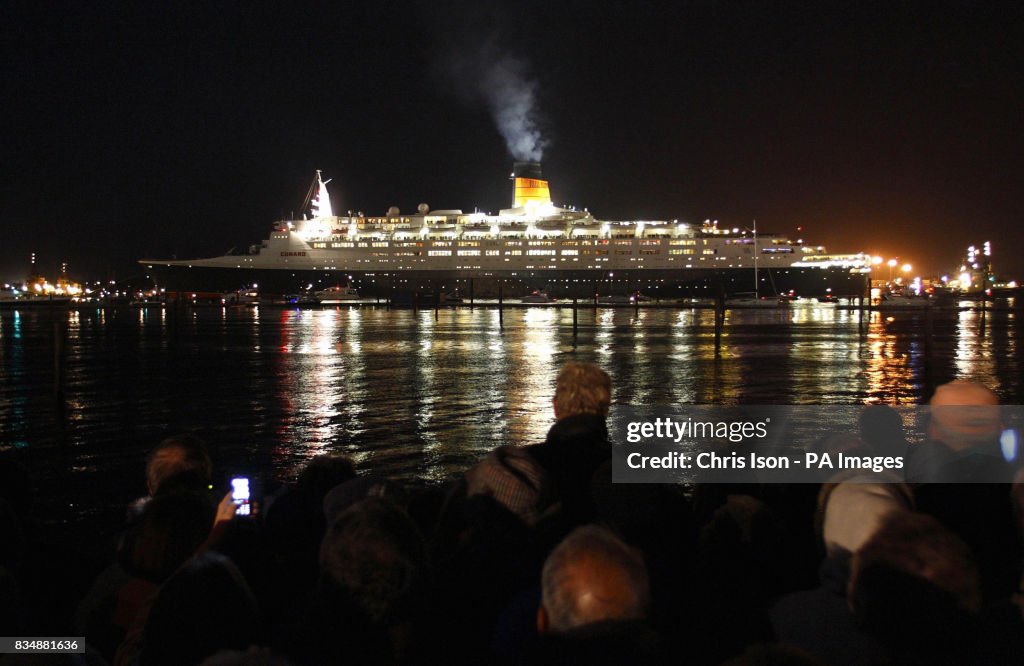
(529, 185)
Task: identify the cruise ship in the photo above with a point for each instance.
(532, 245)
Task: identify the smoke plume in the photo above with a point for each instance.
(483, 66)
(490, 76)
(512, 100)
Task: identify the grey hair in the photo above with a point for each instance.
(563, 590)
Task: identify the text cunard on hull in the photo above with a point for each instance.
(533, 244)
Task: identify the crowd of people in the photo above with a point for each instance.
(535, 556)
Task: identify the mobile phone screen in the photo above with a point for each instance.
(240, 495)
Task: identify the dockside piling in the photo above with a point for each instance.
(719, 320)
(575, 321)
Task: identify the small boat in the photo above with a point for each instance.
(453, 298)
(892, 301)
(538, 296)
(305, 298)
(623, 299)
(337, 294)
(752, 300)
(11, 296)
(241, 297)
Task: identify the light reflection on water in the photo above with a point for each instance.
(419, 394)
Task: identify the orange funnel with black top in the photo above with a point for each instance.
(529, 185)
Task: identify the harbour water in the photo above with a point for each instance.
(419, 395)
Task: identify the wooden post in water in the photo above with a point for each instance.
(575, 321)
(437, 302)
(984, 310)
(864, 303)
(719, 320)
(470, 293)
(501, 307)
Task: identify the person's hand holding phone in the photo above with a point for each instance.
(226, 509)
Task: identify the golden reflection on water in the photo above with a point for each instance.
(493, 395)
(823, 346)
(533, 384)
(425, 388)
(466, 379)
(420, 395)
(603, 338)
(308, 373)
(683, 352)
(985, 340)
(886, 368)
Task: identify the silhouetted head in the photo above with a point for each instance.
(205, 607)
(348, 493)
(743, 538)
(915, 587)
(172, 527)
(853, 510)
(323, 473)
(374, 553)
(964, 415)
(881, 428)
(582, 388)
(178, 463)
(592, 576)
(514, 479)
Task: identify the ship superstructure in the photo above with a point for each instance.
(534, 243)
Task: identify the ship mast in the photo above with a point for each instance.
(321, 203)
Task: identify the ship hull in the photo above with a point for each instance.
(579, 283)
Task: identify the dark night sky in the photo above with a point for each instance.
(892, 128)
